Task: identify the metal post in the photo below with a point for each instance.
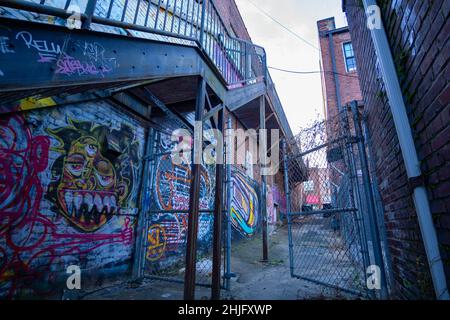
(139, 251)
(151, 178)
(355, 192)
(218, 204)
(263, 148)
(89, 12)
(369, 200)
(287, 191)
(378, 204)
(229, 182)
(202, 24)
(194, 196)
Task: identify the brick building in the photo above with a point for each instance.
(418, 33)
(340, 84)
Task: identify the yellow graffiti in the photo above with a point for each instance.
(31, 103)
(156, 239)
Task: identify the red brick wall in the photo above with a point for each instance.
(232, 18)
(418, 31)
(348, 81)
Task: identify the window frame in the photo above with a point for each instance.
(347, 58)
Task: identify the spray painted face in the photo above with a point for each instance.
(89, 192)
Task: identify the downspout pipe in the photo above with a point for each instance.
(409, 153)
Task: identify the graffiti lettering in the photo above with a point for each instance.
(4, 45)
(47, 51)
(156, 239)
(68, 65)
(95, 53)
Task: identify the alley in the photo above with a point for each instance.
(254, 279)
(224, 149)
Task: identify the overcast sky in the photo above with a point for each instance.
(301, 95)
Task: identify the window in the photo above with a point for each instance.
(349, 55)
(308, 186)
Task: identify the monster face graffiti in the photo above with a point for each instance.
(91, 187)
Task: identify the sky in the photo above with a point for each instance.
(301, 95)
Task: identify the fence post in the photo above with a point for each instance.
(378, 255)
(287, 191)
(263, 155)
(229, 187)
(89, 12)
(139, 251)
(355, 192)
(218, 205)
(194, 196)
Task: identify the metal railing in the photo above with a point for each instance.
(238, 61)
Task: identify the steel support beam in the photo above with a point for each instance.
(141, 229)
(263, 148)
(194, 199)
(373, 223)
(49, 56)
(218, 209)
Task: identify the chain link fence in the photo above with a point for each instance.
(167, 220)
(327, 237)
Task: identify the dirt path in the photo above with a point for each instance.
(255, 280)
(272, 281)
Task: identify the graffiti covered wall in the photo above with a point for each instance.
(167, 229)
(69, 178)
(245, 214)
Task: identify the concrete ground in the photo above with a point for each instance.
(254, 280)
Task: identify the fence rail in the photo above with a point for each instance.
(327, 234)
(238, 61)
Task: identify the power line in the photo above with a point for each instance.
(283, 26)
(312, 72)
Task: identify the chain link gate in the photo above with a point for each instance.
(328, 207)
(167, 219)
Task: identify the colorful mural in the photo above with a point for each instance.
(244, 205)
(167, 231)
(41, 168)
(88, 187)
(274, 198)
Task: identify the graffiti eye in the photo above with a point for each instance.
(75, 168)
(91, 149)
(105, 181)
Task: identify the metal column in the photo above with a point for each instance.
(263, 148)
(194, 199)
(139, 251)
(229, 187)
(218, 206)
(287, 191)
(369, 200)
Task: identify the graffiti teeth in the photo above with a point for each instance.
(107, 204)
(89, 201)
(68, 198)
(78, 200)
(98, 202)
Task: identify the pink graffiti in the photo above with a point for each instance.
(31, 244)
(69, 65)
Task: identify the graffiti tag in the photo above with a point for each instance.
(47, 51)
